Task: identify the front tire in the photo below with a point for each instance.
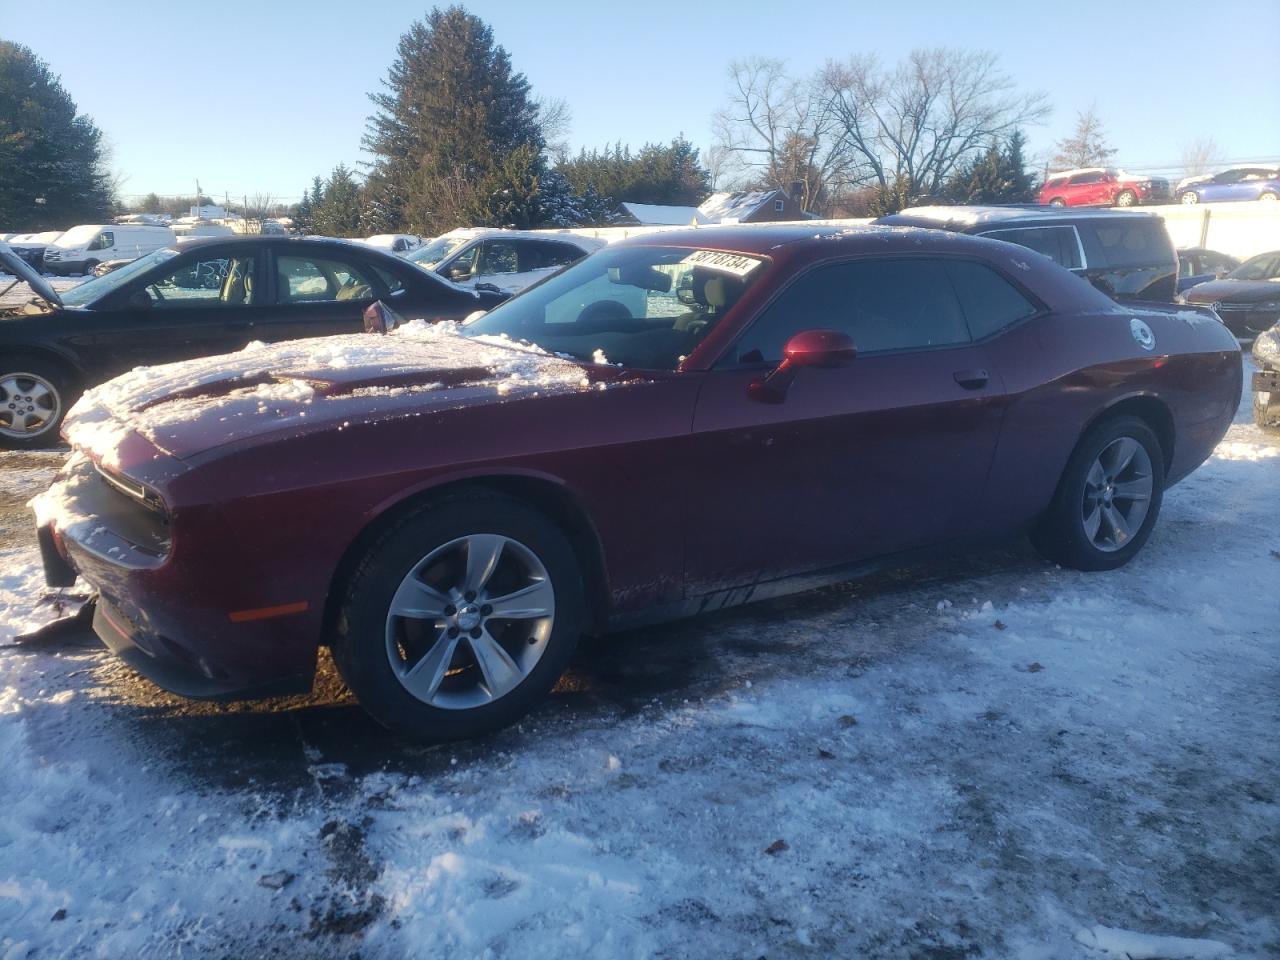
(460, 617)
(1108, 498)
(35, 395)
(1126, 198)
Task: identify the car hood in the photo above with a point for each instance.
(304, 386)
(1234, 291)
(14, 264)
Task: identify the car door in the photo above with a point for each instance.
(317, 293)
(886, 454)
(203, 303)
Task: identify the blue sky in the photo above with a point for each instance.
(261, 96)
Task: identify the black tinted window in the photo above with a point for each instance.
(541, 254)
(1088, 178)
(881, 304)
(1059, 244)
(989, 301)
(1132, 243)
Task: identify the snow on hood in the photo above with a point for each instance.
(301, 382)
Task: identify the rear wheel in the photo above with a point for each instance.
(460, 618)
(1126, 198)
(1269, 196)
(1057, 202)
(1108, 498)
(34, 397)
(1190, 197)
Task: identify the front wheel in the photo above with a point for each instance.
(1108, 498)
(460, 618)
(1190, 197)
(34, 397)
(1126, 198)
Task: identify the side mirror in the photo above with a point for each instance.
(825, 349)
(379, 318)
(459, 274)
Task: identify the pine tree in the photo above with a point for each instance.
(51, 162)
(997, 176)
(304, 215)
(1087, 146)
(338, 212)
(454, 119)
(658, 173)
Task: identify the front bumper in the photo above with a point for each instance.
(178, 617)
(1266, 381)
(1246, 322)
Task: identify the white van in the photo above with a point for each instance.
(82, 248)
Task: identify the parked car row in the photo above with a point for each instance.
(1237, 183)
(1102, 187)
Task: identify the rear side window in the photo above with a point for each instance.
(1059, 244)
(1132, 243)
(882, 304)
(541, 254)
(989, 301)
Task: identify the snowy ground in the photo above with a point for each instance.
(987, 758)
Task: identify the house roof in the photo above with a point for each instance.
(728, 207)
(658, 214)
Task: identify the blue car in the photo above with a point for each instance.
(1238, 183)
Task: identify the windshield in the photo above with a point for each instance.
(90, 291)
(428, 255)
(1265, 266)
(642, 307)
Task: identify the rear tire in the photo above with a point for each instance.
(1108, 498)
(35, 395)
(1269, 197)
(464, 669)
(1190, 198)
(1057, 202)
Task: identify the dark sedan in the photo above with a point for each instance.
(708, 417)
(1198, 265)
(1247, 298)
(202, 297)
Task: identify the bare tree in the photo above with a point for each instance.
(1201, 156)
(556, 119)
(777, 131)
(912, 126)
(1087, 146)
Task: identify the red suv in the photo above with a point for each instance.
(1102, 187)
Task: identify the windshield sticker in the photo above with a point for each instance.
(726, 262)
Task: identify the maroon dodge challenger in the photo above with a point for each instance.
(680, 422)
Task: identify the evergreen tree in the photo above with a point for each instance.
(303, 214)
(997, 176)
(658, 173)
(51, 162)
(455, 120)
(338, 212)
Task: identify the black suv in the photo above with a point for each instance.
(1126, 255)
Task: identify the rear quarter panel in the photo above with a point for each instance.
(1063, 372)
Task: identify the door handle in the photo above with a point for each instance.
(972, 379)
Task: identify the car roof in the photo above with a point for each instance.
(195, 243)
(963, 217)
(489, 233)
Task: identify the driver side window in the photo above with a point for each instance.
(882, 304)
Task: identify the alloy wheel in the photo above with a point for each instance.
(470, 621)
(1117, 494)
(1190, 197)
(29, 405)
